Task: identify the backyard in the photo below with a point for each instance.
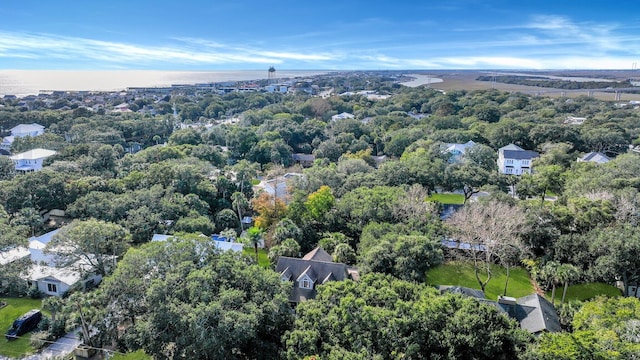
(462, 274)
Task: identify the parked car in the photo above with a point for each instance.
(24, 324)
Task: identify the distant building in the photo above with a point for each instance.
(342, 116)
(21, 130)
(574, 120)
(279, 187)
(277, 88)
(595, 157)
(457, 151)
(514, 160)
(305, 160)
(30, 161)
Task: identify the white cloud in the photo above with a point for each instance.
(188, 51)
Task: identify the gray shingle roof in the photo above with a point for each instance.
(520, 154)
(318, 254)
(313, 266)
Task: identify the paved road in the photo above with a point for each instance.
(60, 348)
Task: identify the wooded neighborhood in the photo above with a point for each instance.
(347, 213)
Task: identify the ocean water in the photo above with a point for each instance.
(26, 82)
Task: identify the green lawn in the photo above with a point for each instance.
(587, 291)
(138, 355)
(447, 198)
(263, 259)
(462, 274)
(14, 309)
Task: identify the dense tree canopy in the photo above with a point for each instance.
(185, 299)
(380, 317)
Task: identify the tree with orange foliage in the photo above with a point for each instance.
(270, 210)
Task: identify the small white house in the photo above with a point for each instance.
(21, 130)
(31, 160)
(457, 151)
(514, 160)
(44, 273)
(342, 116)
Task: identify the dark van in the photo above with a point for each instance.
(24, 324)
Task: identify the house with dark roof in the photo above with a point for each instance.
(305, 160)
(534, 313)
(315, 268)
(514, 160)
(595, 157)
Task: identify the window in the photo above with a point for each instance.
(53, 288)
(305, 284)
(525, 162)
(508, 161)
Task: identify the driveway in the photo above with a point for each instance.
(60, 348)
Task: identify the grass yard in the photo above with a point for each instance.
(447, 198)
(462, 274)
(138, 355)
(587, 291)
(263, 259)
(14, 309)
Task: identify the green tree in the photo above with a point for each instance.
(192, 301)
(568, 273)
(603, 328)
(288, 247)
(380, 317)
(254, 237)
(343, 253)
(486, 229)
(90, 242)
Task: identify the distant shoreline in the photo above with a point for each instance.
(32, 82)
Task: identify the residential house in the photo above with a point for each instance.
(121, 108)
(222, 243)
(534, 313)
(45, 274)
(315, 268)
(595, 157)
(573, 120)
(342, 116)
(30, 161)
(514, 160)
(305, 160)
(457, 151)
(279, 187)
(21, 130)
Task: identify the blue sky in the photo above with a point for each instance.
(298, 34)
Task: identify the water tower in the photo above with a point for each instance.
(272, 74)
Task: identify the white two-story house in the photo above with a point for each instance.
(21, 130)
(30, 161)
(514, 160)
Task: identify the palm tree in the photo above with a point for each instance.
(239, 203)
(567, 274)
(254, 234)
(551, 274)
